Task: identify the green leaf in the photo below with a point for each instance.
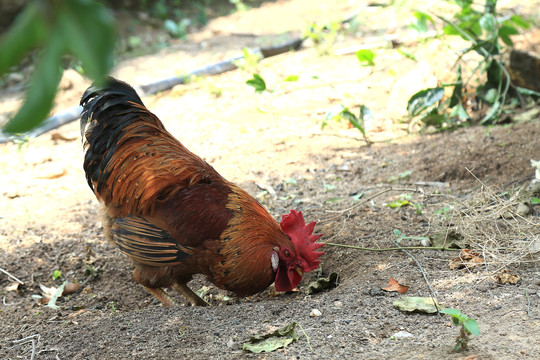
(407, 54)
(434, 118)
(525, 91)
(351, 118)
(424, 99)
(491, 95)
(421, 21)
(417, 304)
(171, 26)
(291, 78)
(322, 284)
(57, 294)
(492, 114)
(450, 30)
(329, 187)
(472, 326)
(403, 175)
(398, 203)
(489, 24)
(451, 312)
(257, 83)
(27, 32)
(463, 4)
(88, 30)
(40, 95)
(270, 342)
(459, 112)
(504, 33)
(535, 201)
(366, 57)
(521, 22)
(56, 274)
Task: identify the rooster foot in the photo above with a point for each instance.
(193, 298)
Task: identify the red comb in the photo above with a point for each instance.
(293, 224)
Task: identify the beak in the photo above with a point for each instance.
(299, 271)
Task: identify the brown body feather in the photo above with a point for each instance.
(166, 208)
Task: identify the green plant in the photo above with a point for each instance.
(366, 57)
(341, 112)
(487, 32)
(257, 82)
(240, 5)
(249, 61)
(467, 325)
(177, 29)
(323, 35)
(83, 29)
(421, 23)
(56, 274)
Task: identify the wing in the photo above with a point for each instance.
(147, 243)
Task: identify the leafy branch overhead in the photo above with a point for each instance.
(54, 29)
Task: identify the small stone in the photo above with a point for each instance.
(425, 242)
(315, 313)
(402, 334)
(523, 209)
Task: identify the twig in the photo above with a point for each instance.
(30, 338)
(306, 335)
(432, 292)
(4, 302)
(528, 303)
(11, 276)
(393, 249)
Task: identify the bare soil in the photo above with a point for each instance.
(50, 219)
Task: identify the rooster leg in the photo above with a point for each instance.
(189, 294)
(161, 296)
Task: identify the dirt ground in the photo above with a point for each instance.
(50, 219)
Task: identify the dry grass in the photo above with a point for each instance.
(489, 222)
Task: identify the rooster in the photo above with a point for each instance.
(174, 215)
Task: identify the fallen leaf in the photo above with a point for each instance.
(270, 342)
(57, 136)
(14, 286)
(468, 258)
(321, 284)
(54, 176)
(393, 285)
(505, 277)
(70, 288)
(417, 304)
(448, 239)
(51, 294)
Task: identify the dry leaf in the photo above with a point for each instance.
(70, 288)
(14, 286)
(57, 136)
(505, 277)
(393, 285)
(54, 176)
(468, 258)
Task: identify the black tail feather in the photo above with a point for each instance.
(106, 112)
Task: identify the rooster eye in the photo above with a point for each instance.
(287, 253)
